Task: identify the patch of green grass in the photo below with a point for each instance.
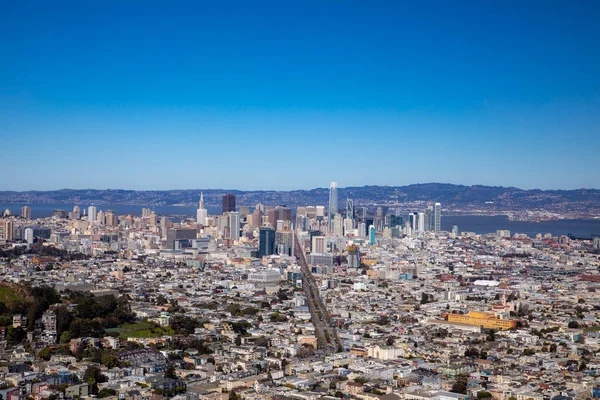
(8, 295)
(143, 329)
(592, 329)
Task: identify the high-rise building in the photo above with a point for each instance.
(338, 225)
(284, 242)
(429, 218)
(100, 217)
(92, 213)
(8, 230)
(350, 208)
(153, 218)
(333, 204)
(319, 245)
(279, 213)
(201, 212)
(320, 211)
(146, 212)
(266, 241)
(26, 212)
(362, 229)
(244, 211)
(371, 235)
(353, 256)
(228, 203)
(28, 235)
(455, 230)
(437, 217)
(420, 222)
(379, 219)
(234, 225)
(111, 218)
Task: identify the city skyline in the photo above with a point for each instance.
(142, 95)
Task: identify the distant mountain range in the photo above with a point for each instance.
(457, 198)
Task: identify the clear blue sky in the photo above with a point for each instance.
(295, 94)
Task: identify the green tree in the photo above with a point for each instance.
(109, 360)
(170, 372)
(45, 353)
(460, 384)
(106, 392)
(484, 395)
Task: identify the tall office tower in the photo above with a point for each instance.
(338, 225)
(26, 212)
(379, 219)
(350, 208)
(396, 220)
(437, 217)
(28, 235)
(146, 212)
(353, 256)
(100, 217)
(412, 219)
(421, 222)
(284, 242)
(279, 213)
(320, 211)
(301, 211)
(364, 214)
(92, 213)
(260, 207)
(201, 212)
(429, 218)
(111, 218)
(244, 210)
(362, 230)
(348, 226)
(152, 219)
(301, 223)
(228, 203)
(257, 215)
(371, 235)
(319, 245)
(333, 204)
(234, 225)
(8, 230)
(266, 241)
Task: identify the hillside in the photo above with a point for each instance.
(453, 196)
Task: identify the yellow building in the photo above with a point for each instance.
(484, 319)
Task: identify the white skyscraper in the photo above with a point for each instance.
(92, 213)
(201, 213)
(333, 204)
(421, 222)
(28, 235)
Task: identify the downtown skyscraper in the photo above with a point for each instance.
(333, 204)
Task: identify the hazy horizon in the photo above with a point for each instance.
(297, 189)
